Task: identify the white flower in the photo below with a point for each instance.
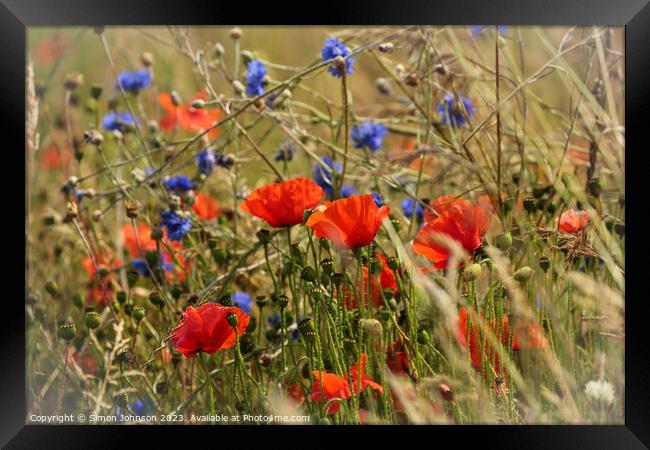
(600, 390)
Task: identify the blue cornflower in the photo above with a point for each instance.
(407, 209)
(176, 226)
(286, 152)
(243, 301)
(80, 194)
(139, 407)
(295, 334)
(475, 30)
(206, 161)
(333, 48)
(180, 183)
(134, 81)
(369, 134)
(255, 73)
(451, 112)
(347, 190)
(118, 121)
(379, 201)
(140, 266)
(322, 177)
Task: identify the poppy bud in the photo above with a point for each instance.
(52, 288)
(146, 58)
(238, 87)
(472, 272)
(67, 331)
(235, 33)
(198, 103)
(523, 274)
(138, 313)
(96, 91)
(503, 241)
(337, 279)
(423, 337)
(282, 301)
(530, 204)
(318, 294)
(383, 86)
(538, 192)
(264, 236)
(595, 187)
(156, 299)
(324, 243)
(372, 327)
(218, 50)
(92, 320)
(393, 263)
(328, 266)
(307, 214)
(376, 266)
(544, 263)
(232, 320)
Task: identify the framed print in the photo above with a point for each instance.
(355, 222)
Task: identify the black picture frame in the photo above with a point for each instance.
(17, 15)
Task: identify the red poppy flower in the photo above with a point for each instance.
(532, 338)
(397, 359)
(54, 158)
(99, 292)
(188, 117)
(144, 235)
(206, 207)
(442, 204)
(86, 362)
(335, 386)
(206, 329)
(464, 223)
(349, 222)
(572, 221)
(387, 280)
(51, 49)
(283, 204)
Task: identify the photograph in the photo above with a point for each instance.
(325, 225)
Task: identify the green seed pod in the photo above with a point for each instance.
(198, 103)
(252, 324)
(393, 263)
(384, 314)
(308, 274)
(503, 241)
(122, 400)
(307, 214)
(152, 259)
(538, 192)
(128, 308)
(218, 50)
(523, 274)
(349, 345)
(282, 301)
(306, 330)
(161, 388)
(338, 279)
(220, 255)
(423, 337)
(138, 313)
(121, 296)
(271, 334)
(261, 301)
(392, 304)
(92, 320)
(395, 223)
(328, 266)
(544, 263)
(530, 204)
(212, 243)
(232, 319)
(156, 233)
(551, 208)
(508, 205)
(96, 91)
(225, 300)
(132, 276)
(376, 266)
(52, 288)
(324, 243)
(156, 299)
(595, 187)
(67, 331)
(264, 236)
(472, 272)
(77, 300)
